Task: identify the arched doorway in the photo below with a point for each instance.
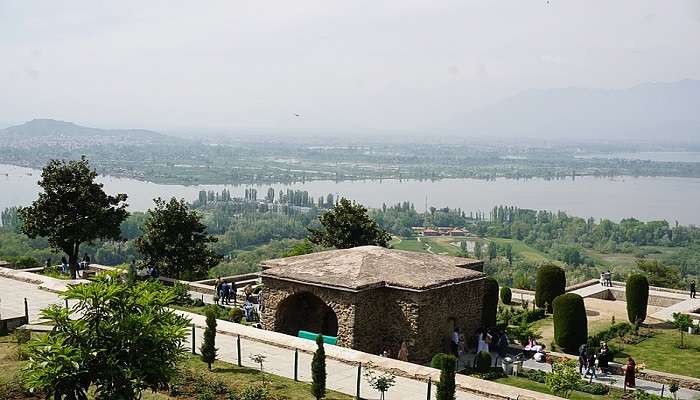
(305, 312)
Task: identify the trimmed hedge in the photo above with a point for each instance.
(490, 304)
(483, 361)
(506, 295)
(551, 282)
(637, 295)
(570, 322)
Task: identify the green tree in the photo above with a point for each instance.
(492, 250)
(175, 241)
(506, 295)
(208, 349)
(318, 370)
(447, 364)
(347, 225)
(111, 345)
(551, 282)
(477, 250)
(637, 296)
(563, 379)
(72, 209)
(490, 303)
(379, 382)
(570, 321)
(299, 249)
(682, 322)
(509, 253)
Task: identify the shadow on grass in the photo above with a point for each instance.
(234, 370)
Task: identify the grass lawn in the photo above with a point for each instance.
(409, 244)
(234, 376)
(661, 353)
(525, 383)
(8, 359)
(521, 249)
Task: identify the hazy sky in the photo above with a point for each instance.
(247, 66)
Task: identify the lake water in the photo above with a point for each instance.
(615, 198)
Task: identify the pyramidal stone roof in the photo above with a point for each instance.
(368, 267)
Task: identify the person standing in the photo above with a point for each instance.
(403, 352)
(629, 373)
(217, 290)
(64, 265)
(590, 361)
(455, 342)
(692, 289)
(225, 292)
(582, 359)
(603, 357)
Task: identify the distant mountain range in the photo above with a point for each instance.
(50, 128)
(650, 111)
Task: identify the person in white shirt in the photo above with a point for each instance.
(455, 342)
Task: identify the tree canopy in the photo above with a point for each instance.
(73, 209)
(347, 225)
(126, 340)
(175, 241)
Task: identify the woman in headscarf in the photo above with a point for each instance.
(629, 373)
(403, 352)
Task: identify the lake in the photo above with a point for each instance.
(673, 199)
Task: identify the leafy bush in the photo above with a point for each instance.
(564, 378)
(614, 331)
(506, 295)
(534, 375)
(551, 282)
(483, 361)
(597, 389)
(570, 322)
(235, 315)
(182, 294)
(637, 296)
(254, 392)
(490, 304)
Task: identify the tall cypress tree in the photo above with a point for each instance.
(318, 370)
(448, 365)
(208, 348)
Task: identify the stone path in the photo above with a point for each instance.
(686, 306)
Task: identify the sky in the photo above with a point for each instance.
(241, 67)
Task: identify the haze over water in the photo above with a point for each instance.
(646, 198)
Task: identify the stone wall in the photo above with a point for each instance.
(342, 303)
(443, 309)
(381, 319)
(385, 318)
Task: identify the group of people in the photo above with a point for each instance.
(606, 278)
(590, 361)
(484, 340)
(225, 291)
(536, 349)
(65, 267)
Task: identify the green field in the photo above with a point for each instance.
(523, 251)
(661, 353)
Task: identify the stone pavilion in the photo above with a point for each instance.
(372, 298)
